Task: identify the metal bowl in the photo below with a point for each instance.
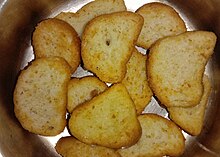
(17, 22)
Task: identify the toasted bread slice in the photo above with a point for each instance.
(89, 11)
(136, 81)
(71, 147)
(176, 65)
(190, 119)
(159, 137)
(40, 96)
(108, 42)
(54, 37)
(82, 90)
(160, 20)
(107, 120)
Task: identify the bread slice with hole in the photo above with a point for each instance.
(136, 82)
(89, 11)
(108, 120)
(71, 147)
(190, 119)
(160, 20)
(54, 37)
(176, 65)
(83, 89)
(159, 137)
(108, 42)
(40, 96)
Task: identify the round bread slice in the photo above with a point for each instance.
(108, 120)
(159, 137)
(160, 20)
(40, 96)
(136, 82)
(54, 37)
(190, 119)
(176, 66)
(89, 11)
(82, 90)
(71, 147)
(108, 42)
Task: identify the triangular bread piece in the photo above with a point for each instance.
(160, 20)
(83, 89)
(190, 119)
(136, 82)
(54, 37)
(71, 147)
(40, 96)
(89, 11)
(107, 120)
(176, 65)
(108, 42)
(159, 137)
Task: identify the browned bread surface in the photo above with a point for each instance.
(190, 119)
(159, 137)
(40, 96)
(89, 11)
(71, 147)
(176, 65)
(54, 37)
(107, 44)
(83, 89)
(136, 82)
(109, 119)
(160, 20)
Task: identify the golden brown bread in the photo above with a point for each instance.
(160, 20)
(54, 37)
(83, 89)
(107, 44)
(190, 119)
(109, 119)
(89, 11)
(136, 82)
(71, 147)
(159, 137)
(40, 96)
(176, 65)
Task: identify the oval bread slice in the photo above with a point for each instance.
(159, 137)
(176, 66)
(108, 120)
(190, 119)
(89, 11)
(136, 82)
(82, 90)
(108, 42)
(54, 37)
(160, 20)
(71, 147)
(40, 96)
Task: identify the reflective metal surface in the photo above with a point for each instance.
(17, 21)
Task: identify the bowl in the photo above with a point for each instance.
(17, 22)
